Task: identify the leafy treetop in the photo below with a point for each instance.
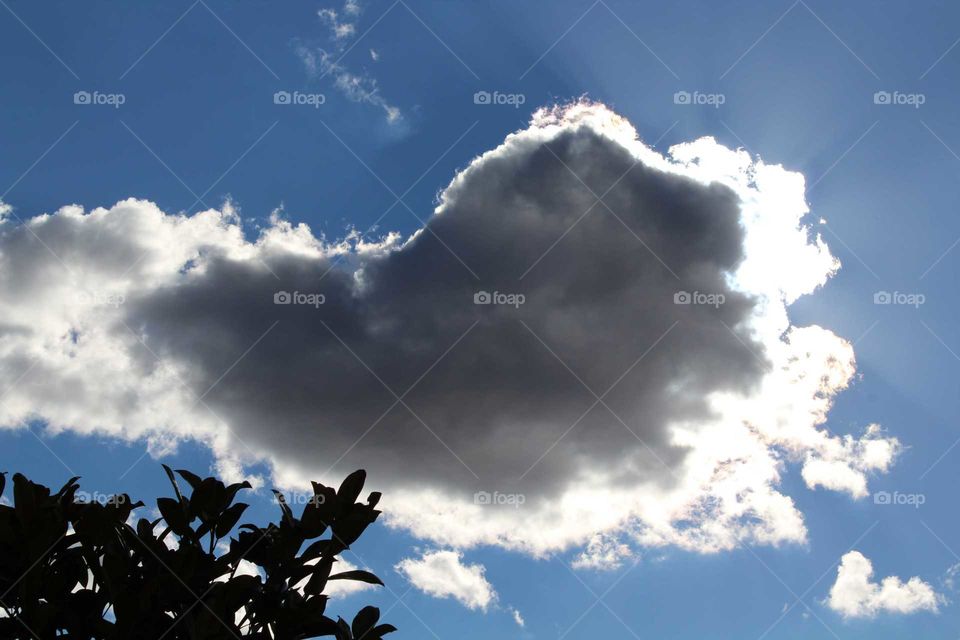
(75, 569)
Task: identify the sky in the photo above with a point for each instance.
(640, 315)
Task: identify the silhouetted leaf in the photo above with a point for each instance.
(359, 575)
(321, 572)
(318, 548)
(70, 484)
(284, 507)
(320, 512)
(364, 621)
(173, 481)
(381, 630)
(229, 519)
(145, 529)
(232, 490)
(239, 590)
(207, 499)
(351, 487)
(348, 528)
(174, 516)
(192, 479)
(343, 630)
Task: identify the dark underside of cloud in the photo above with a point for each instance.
(493, 386)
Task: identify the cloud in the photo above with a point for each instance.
(602, 553)
(442, 574)
(518, 618)
(357, 87)
(341, 28)
(950, 579)
(624, 401)
(853, 595)
(844, 465)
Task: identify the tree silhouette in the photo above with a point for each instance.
(74, 569)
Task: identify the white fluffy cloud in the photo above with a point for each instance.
(856, 595)
(442, 574)
(602, 552)
(73, 357)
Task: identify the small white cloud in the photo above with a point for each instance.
(340, 30)
(518, 618)
(844, 465)
(356, 86)
(442, 574)
(853, 595)
(950, 580)
(602, 553)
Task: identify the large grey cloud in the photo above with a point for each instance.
(500, 398)
(140, 324)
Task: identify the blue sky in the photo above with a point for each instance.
(198, 125)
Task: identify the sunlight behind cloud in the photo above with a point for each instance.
(719, 403)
